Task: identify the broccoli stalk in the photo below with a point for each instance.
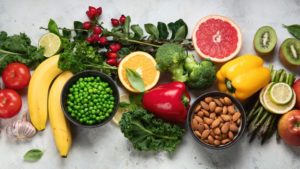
(184, 68)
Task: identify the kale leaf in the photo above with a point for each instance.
(148, 133)
(18, 48)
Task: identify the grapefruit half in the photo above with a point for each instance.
(217, 38)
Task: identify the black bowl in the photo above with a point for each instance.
(237, 104)
(74, 79)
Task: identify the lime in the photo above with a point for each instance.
(123, 98)
(51, 43)
(281, 93)
(273, 107)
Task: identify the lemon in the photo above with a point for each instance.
(123, 98)
(51, 43)
(268, 103)
(281, 93)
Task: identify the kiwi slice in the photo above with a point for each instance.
(265, 40)
(290, 51)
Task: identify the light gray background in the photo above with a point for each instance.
(106, 148)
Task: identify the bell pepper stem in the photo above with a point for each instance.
(185, 100)
(297, 124)
(229, 86)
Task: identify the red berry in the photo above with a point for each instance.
(122, 19)
(95, 37)
(115, 47)
(92, 12)
(112, 62)
(111, 55)
(89, 39)
(86, 25)
(99, 11)
(102, 40)
(115, 22)
(97, 30)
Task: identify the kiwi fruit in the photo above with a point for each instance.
(265, 40)
(290, 52)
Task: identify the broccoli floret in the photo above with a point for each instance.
(201, 75)
(173, 58)
(170, 57)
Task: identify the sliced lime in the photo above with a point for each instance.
(51, 43)
(281, 93)
(116, 119)
(273, 107)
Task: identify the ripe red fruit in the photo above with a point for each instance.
(89, 39)
(115, 47)
(97, 30)
(115, 22)
(92, 12)
(112, 62)
(87, 25)
(102, 40)
(95, 37)
(99, 11)
(122, 19)
(111, 55)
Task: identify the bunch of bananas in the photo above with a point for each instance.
(44, 97)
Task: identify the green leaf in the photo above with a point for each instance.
(66, 33)
(33, 155)
(152, 30)
(127, 25)
(180, 33)
(123, 104)
(81, 34)
(138, 31)
(123, 52)
(293, 30)
(52, 27)
(175, 26)
(136, 98)
(135, 80)
(163, 30)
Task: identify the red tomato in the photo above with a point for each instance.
(16, 76)
(10, 103)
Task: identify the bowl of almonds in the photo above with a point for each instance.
(217, 120)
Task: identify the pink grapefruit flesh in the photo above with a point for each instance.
(217, 38)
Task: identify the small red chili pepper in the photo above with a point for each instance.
(169, 102)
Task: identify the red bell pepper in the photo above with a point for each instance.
(169, 102)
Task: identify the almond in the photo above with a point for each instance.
(225, 128)
(204, 105)
(208, 99)
(197, 133)
(206, 113)
(198, 107)
(230, 135)
(215, 123)
(231, 109)
(194, 124)
(227, 101)
(218, 102)
(212, 116)
(210, 140)
(212, 106)
(205, 134)
(225, 141)
(200, 113)
(208, 121)
(217, 131)
(199, 119)
(225, 117)
(236, 116)
(233, 128)
(218, 110)
(224, 111)
(217, 142)
(200, 128)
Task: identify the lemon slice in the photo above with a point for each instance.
(273, 107)
(116, 119)
(281, 93)
(51, 43)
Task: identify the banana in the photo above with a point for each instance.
(38, 90)
(60, 126)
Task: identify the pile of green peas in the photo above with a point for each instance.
(90, 100)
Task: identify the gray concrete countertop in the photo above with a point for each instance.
(106, 147)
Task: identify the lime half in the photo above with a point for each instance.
(116, 119)
(281, 93)
(273, 107)
(51, 43)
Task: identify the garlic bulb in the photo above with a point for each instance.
(21, 129)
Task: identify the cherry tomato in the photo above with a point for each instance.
(16, 76)
(10, 103)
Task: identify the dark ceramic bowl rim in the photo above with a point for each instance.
(239, 107)
(88, 73)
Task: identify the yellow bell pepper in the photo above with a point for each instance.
(244, 76)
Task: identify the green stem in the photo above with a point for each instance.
(9, 53)
(229, 86)
(139, 42)
(151, 133)
(84, 30)
(282, 77)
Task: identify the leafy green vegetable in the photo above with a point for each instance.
(135, 80)
(183, 67)
(174, 27)
(163, 30)
(78, 56)
(148, 133)
(33, 155)
(294, 30)
(18, 48)
(152, 30)
(81, 34)
(180, 33)
(138, 31)
(52, 27)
